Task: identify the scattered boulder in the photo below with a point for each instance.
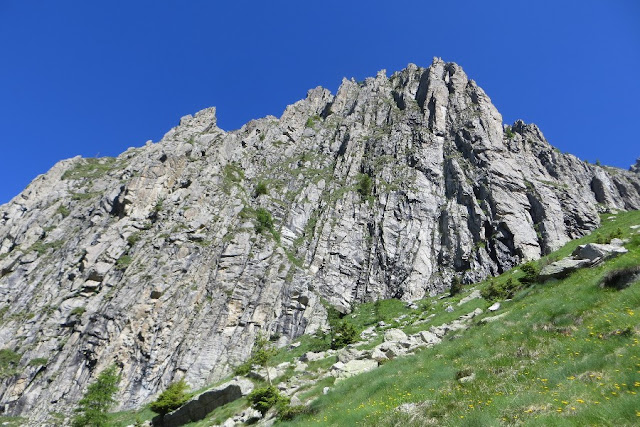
(595, 252)
(199, 406)
(354, 367)
(394, 335)
(494, 307)
(562, 268)
(311, 356)
(491, 319)
(473, 295)
(429, 338)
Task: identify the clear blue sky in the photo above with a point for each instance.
(95, 77)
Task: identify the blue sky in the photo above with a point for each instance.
(95, 77)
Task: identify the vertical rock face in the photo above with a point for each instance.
(168, 259)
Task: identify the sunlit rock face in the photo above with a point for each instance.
(170, 258)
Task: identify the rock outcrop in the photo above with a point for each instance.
(198, 407)
(170, 258)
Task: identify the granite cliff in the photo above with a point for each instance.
(168, 259)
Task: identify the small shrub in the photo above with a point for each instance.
(364, 185)
(242, 369)
(172, 398)
(94, 406)
(456, 286)
(38, 361)
(343, 334)
(123, 262)
(64, 211)
(509, 133)
(263, 399)
(78, 311)
(261, 189)
(9, 360)
(496, 290)
(265, 222)
(531, 273)
(133, 238)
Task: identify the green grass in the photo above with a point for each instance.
(127, 418)
(567, 353)
(90, 168)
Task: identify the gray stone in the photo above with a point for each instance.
(494, 307)
(354, 367)
(491, 319)
(199, 406)
(429, 338)
(311, 356)
(475, 294)
(597, 252)
(394, 335)
(562, 268)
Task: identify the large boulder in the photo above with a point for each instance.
(199, 406)
(596, 252)
(394, 335)
(354, 367)
(562, 268)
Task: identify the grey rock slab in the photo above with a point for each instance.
(394, 335)
(429, 338)
(562, 268)
(475, 294)
(355, 367)
(199, 406)
(595, 252)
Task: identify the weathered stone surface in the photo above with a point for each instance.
(394, 335)
(354, 367)
(562, 268)
(198, 407)
(429, 338)
(475, 294)
(494, 307)
(162, 248)
(598, 252)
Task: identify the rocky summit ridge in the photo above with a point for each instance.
(170, 258)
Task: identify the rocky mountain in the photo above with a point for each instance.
(170, 258)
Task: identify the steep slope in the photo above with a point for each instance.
(169, 258)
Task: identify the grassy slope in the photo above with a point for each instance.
(565, 354)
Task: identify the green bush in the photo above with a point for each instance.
(263, 399)
(456, 286)
(509, 132)
(123, 262)
(364, 185)
(531, 273)
(343, 334)
(9, 360)
(78, 311)
(172, 398)
(242, 369)
(94, 406)
(260, 189)
(496, 290)
(265, 222)
(38, 361)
